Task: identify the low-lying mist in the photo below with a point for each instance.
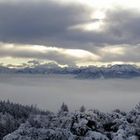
(48, 92)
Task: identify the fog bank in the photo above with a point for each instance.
(48, 92)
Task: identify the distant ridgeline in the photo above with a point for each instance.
(91, 72)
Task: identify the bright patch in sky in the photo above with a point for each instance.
(95, 26)
(80, 54)
(113, 50)
(98, 15)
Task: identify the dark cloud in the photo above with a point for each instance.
(38, 22)
(123, 25)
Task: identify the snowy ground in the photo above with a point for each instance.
(49, 92)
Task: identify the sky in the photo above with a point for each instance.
(69, 32)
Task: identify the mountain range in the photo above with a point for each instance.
(90, 72)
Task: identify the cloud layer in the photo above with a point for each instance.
(76, 32)
(71, 57)
(62, 56)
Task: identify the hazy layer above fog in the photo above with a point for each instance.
(48, 92)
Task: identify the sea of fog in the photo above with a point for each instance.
(48, 92)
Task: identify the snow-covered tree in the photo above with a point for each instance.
(64, 108)
(82, 108)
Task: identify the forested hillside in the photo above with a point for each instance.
(18, 122)
(12, 115)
